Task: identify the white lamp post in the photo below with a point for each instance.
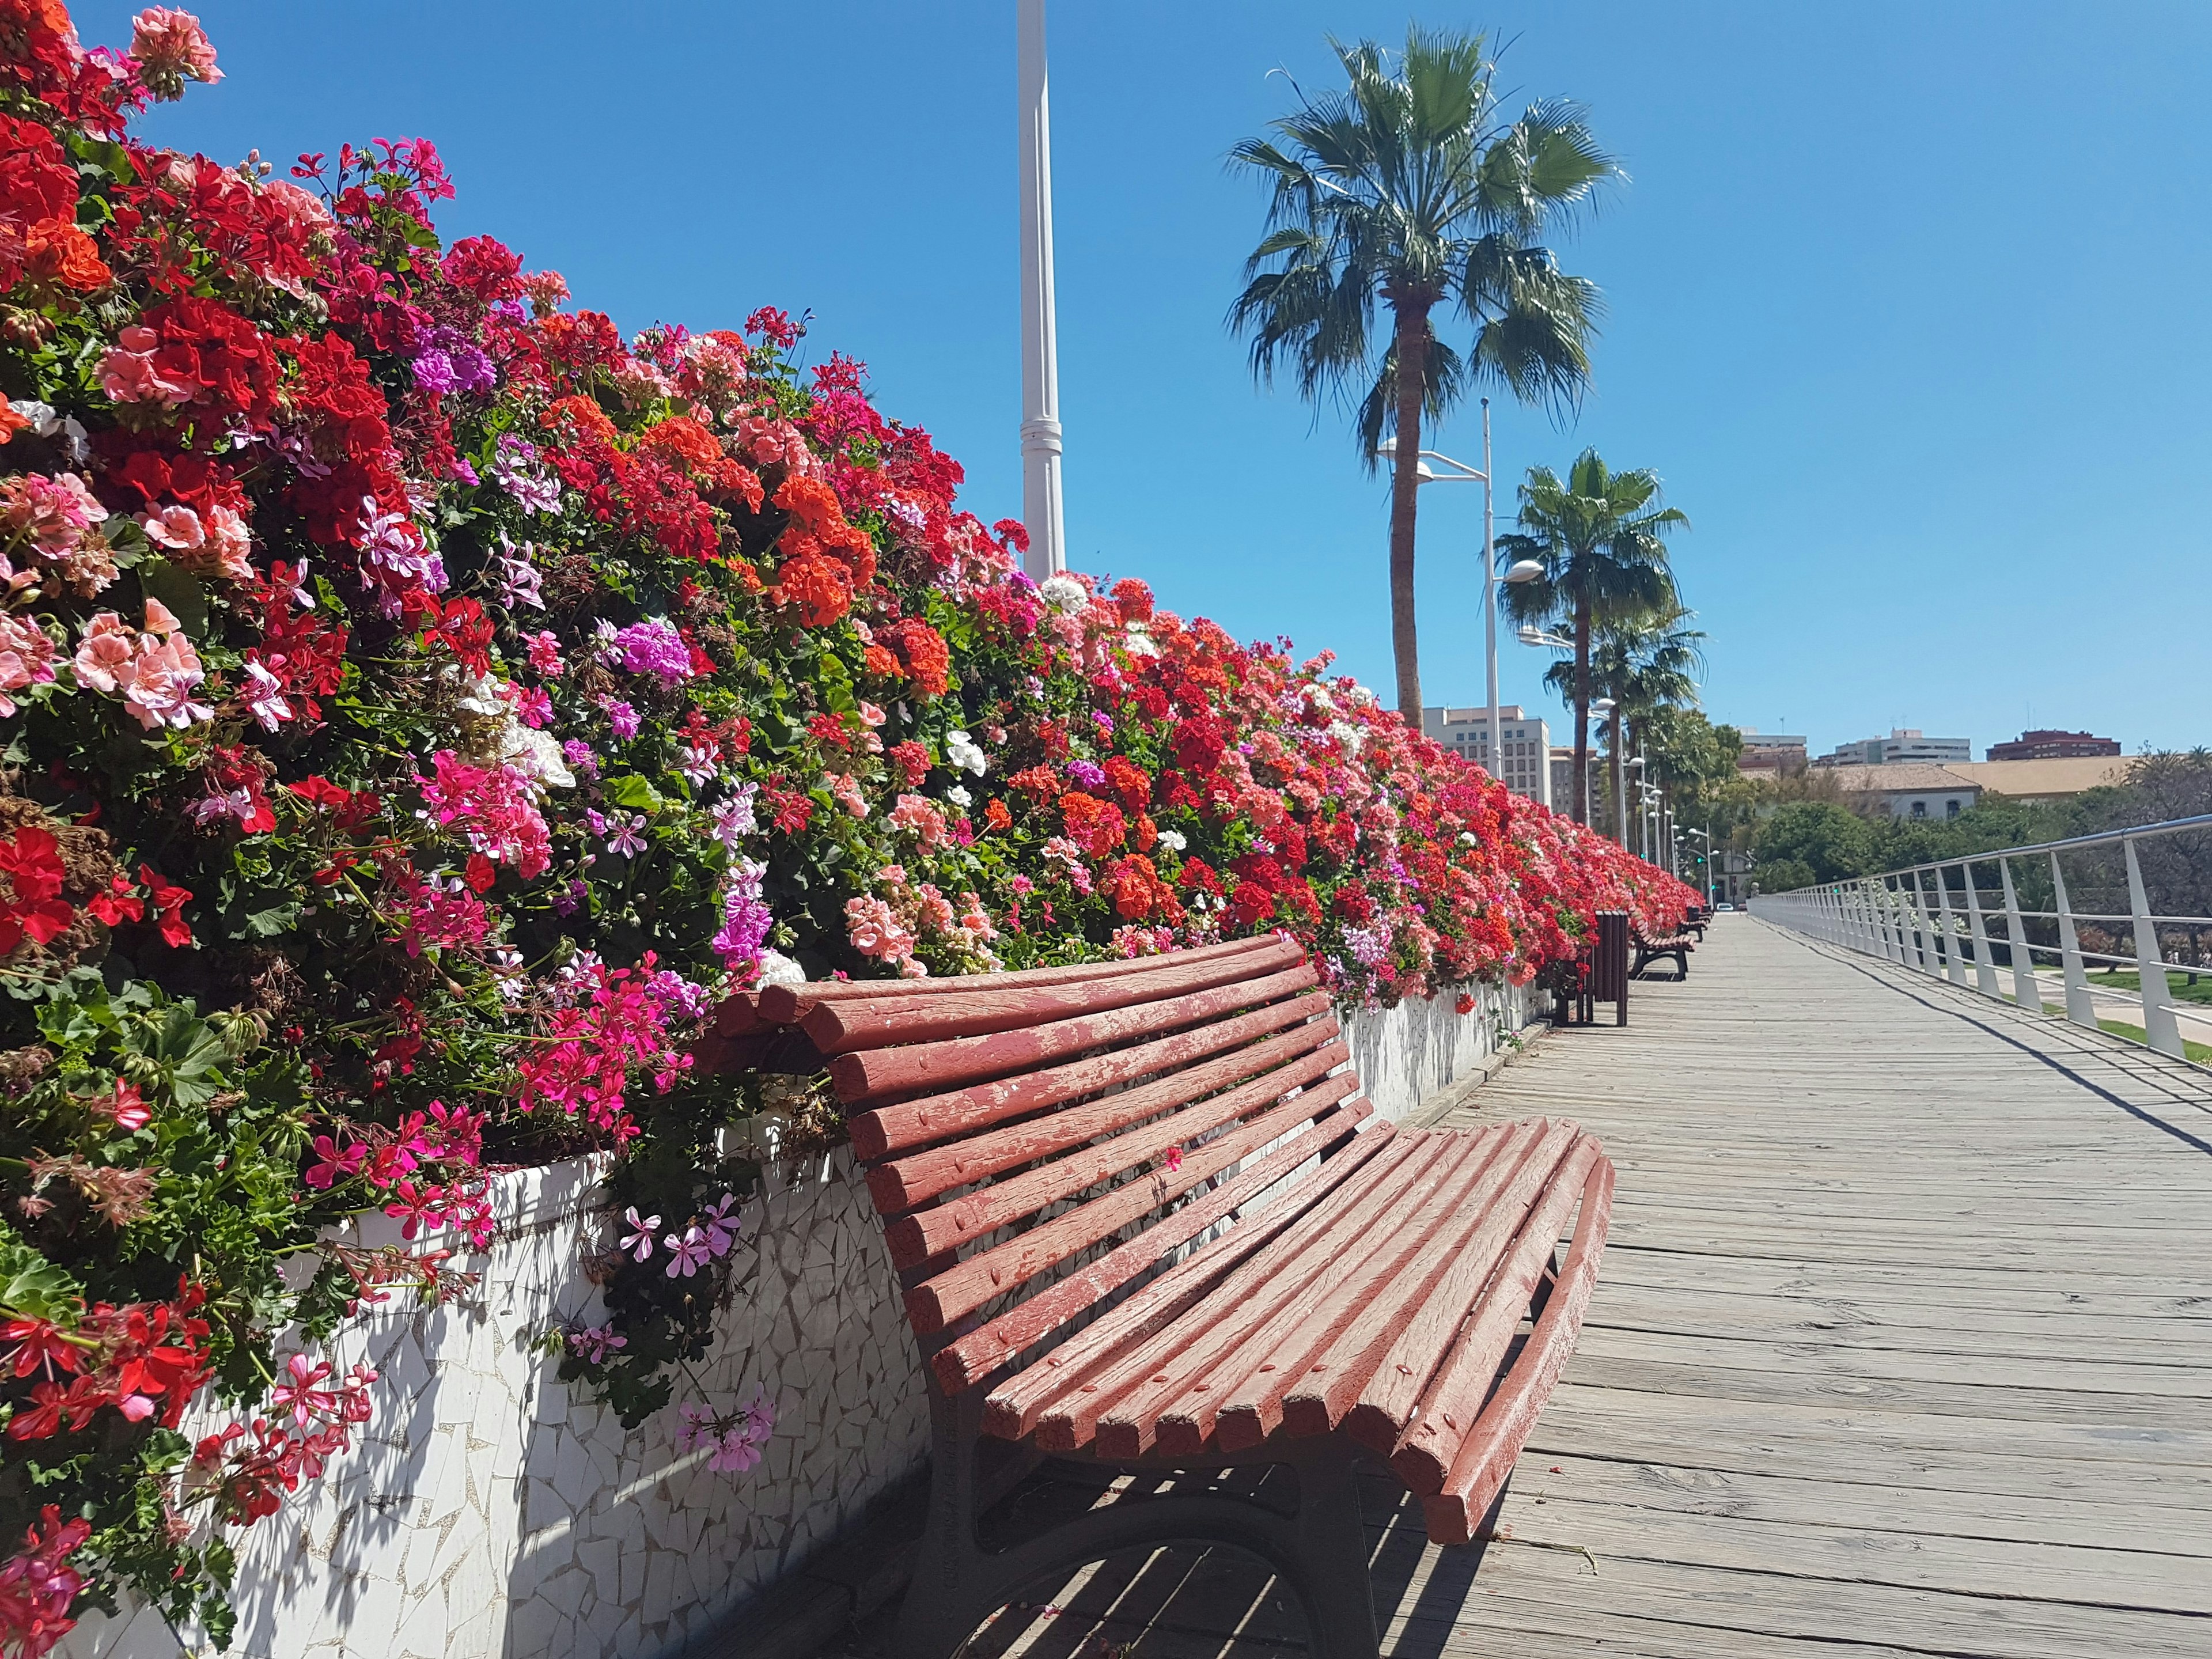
(1526, 570)
(1041, 502)
(1603, 707)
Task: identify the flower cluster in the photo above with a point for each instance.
(424, 706)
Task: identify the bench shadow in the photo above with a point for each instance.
(1191, 1600)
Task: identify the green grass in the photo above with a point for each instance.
(2118, 979)
(2199, 1052)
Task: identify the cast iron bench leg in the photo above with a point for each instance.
(1320, 1553)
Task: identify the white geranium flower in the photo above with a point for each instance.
(1063, 592)
(777, 968)
(959, 796)
(1173, 839)
(961, 751)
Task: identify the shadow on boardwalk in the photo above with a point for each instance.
(1903, 1345)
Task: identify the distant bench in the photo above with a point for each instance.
(1143, 1219)
(1649, 950)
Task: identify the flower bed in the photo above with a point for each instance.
(421, 705)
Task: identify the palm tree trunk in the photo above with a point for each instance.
(1413, 320)
(1582, 709)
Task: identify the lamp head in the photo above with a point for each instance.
(1523, 571)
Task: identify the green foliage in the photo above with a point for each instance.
(1408, 188)
(1808, 843)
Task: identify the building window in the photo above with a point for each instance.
(1951, 809)
(1920, 809)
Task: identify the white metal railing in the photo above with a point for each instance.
(1944, 919)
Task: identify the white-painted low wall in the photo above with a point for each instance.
(1406, 1054)
(489, 1515)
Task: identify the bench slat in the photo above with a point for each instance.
(968, 1285)
(1392, 1396)
(913, 1123)
(909, 1182)
(869, 1075)
(1486, 1458)
(1076, 1401)
(1452, 1404)
(914, 1238)
(787, 1004)
(878, 1022)
(1166, 1373)
(1332, 1381)
(1011, 1410)
(1249, 1410)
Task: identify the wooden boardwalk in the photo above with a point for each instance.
(1903, 1345)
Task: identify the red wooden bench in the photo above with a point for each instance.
(1143, 1219)
(1648, 950)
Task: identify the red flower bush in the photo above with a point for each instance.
(425, 705)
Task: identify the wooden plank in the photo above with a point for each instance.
(1065, 1399)
(1883, 1495)
(1399, 1345)
(1338, 1338)
(786, 1004)
(865, 1077)
(965, 1362)
(906, 1182)
(969, 1216)
(842, 1026)
(1125, 1400)
(1484, 1464)
(967, 1285)
(965, 1111)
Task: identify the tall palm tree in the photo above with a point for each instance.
(1646, 662)
(1408, 188)
(1600, 537)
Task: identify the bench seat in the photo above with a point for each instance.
(1651, 951)
(1144, 1218)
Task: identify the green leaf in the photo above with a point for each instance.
(188, 1054)
(635, 792)
(33, 1286)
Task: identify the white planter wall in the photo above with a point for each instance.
(1406, 1054)
(489, 1515)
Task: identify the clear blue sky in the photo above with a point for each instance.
(1907, 302)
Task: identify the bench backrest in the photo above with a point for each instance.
(1083, 1102)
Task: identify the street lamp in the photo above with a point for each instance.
(1706, 837)
(1526, 570)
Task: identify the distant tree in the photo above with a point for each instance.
(1695, 760)
(1601, 537)
(1648, 664)
(1783, 876)
(1830, 844)
(1410, 189)
(2177, 869)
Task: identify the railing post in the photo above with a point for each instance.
(1894, 923)
(2026, 989)
(1955, 967)
(2160, 1029)
(1986, 967)
(2081, 1007)
(1924, 924)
